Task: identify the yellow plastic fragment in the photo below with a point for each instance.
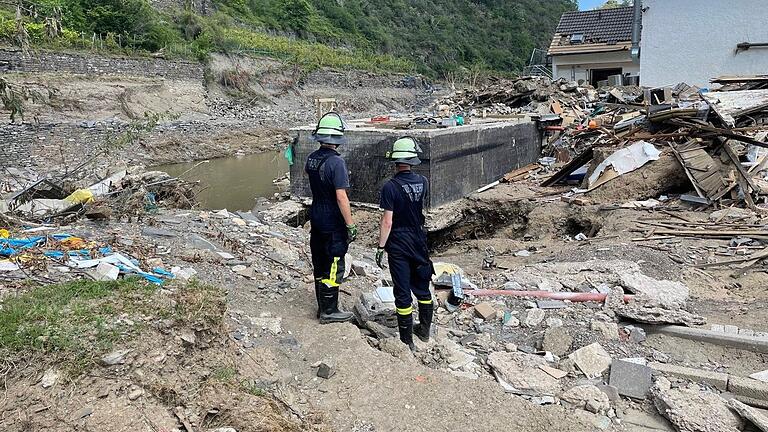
(80, 196)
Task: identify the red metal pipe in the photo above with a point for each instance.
(571, 296)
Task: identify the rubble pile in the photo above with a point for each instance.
(526, 95)
(587, 353)
(712, 143)
(118, 193)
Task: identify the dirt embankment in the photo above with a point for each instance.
(240, 106)
(127, 356)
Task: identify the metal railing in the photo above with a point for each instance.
(537, 70)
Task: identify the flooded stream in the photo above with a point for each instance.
(233, 183)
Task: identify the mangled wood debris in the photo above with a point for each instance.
(718, 138)
(121, 193)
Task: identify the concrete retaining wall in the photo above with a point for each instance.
(456, 161)
(13, 60)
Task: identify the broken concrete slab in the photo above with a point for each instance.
(749, 343)
(641, 421)
(157, 232)
(610, 391)
(557, 340)
(636, 334)
(592, 360)
(750, 414)
(587, 397)
(631, 379)
(760, 376)
(534, 317)
(694, 409)
(715, 379)
(363, 268)
(225, 255)
(198, 242)
(522, 371)
(184, 274)
(551, 304)
(370, 307)
(270, 324)
(654, 314)
(609, 331)
(614, 299)
(458, 358)
(663, 292)
(554, 373)
(748, 387)
(485, 311)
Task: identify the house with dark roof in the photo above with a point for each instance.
(597, 45)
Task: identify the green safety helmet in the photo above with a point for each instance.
(330, 130)
(406, 151)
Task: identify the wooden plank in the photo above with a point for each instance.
(577, 162)
(520, 171)
(739, 168)
(731, 105)
(687, 172)
(754, 257)
(714, 233)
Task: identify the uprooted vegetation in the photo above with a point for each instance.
(139, 356)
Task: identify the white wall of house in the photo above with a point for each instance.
(692, 41)
(575, 67)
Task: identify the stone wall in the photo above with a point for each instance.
(12, 60)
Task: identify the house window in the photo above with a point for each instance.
(577, 38)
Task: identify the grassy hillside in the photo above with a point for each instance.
(429, 36)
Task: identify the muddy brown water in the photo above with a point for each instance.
(233, 183)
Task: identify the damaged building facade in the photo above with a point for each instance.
(597, 45)
(692, 41)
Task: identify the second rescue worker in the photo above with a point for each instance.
(402, 235)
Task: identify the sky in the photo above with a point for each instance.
(589, 4)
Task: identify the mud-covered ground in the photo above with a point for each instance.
(271, 341)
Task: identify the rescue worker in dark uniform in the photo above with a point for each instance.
(403, 237)
(330, 216)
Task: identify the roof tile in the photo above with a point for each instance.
(598, 26)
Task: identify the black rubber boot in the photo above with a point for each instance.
(318, 289)
(422, 330)
(329, 306)
(405, 327)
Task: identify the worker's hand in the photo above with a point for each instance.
(351, 232)
(380, 257)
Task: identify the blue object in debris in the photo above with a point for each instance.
(162, 272)
(577, 176)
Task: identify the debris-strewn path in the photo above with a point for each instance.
(371, 388)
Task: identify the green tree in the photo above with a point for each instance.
(610, 4)
(296, 15)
